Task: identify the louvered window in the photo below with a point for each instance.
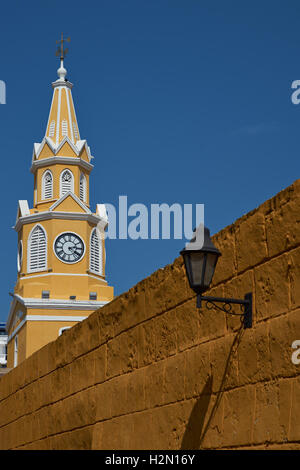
(96, 252)
(52, 129)
(64, 127)
(37, 250)
(82, 188)
(66, 182)
(47, 185)
(75, 130)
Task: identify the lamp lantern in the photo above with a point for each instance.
(200, 259)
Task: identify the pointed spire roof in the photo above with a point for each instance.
(62, 119)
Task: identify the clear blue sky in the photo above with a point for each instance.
(180, 101)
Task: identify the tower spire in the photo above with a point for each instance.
(62, 121)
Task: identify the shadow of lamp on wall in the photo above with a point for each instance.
(200, 259)
(195, 429)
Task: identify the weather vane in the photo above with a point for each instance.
(60, 49)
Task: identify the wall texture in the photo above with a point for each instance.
(149, 370)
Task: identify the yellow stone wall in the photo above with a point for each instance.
(150, 371)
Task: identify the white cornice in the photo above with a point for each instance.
(60, 159)
(60, 304)
(54, 304)
(97, 276)
(92, 218)
(62, 83)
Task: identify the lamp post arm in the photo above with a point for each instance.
(246, 303)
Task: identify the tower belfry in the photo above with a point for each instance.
(61, 251)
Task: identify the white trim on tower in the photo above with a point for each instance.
(58, 116)
(69, 114)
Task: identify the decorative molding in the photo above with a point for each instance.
(99, 278)
(55, 147)
(92, 218)
(55, 304)
(55, 318)
(76, 199)
(69, 115)
(63, 160)
(60, 304)
(61, 83)
(58, 117)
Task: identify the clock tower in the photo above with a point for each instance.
(61, 252)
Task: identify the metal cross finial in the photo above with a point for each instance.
(60, 49)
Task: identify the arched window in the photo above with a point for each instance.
(47, 185)
(66, 182)
(82, 187)
(96, 252)
(37, 249)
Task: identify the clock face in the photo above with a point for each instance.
(69, 247)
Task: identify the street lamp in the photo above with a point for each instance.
(200, 258)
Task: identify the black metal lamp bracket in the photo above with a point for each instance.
(245, 305)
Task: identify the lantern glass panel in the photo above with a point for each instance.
(197, 265)
(211, 262)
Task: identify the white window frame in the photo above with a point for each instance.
(60, 182)
(16, 351)
(29, 269)
(100, 271)
(44, 185)
(82, 187)
(20, 256)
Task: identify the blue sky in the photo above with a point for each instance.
(180, 101)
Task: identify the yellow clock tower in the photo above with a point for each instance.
(61, 253)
